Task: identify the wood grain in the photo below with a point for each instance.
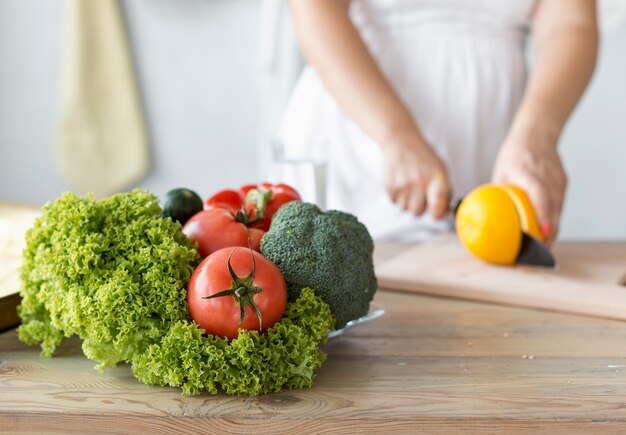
(429, 363)
(587, 280)
(99, 423)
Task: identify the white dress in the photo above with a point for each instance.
(460, 68)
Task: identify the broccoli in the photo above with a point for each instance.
(330, 252)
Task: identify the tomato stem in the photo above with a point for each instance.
(244, 216)
(260, 198)
(243, 290)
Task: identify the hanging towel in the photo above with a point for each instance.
(102, 141)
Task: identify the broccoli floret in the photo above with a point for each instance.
(330, 252)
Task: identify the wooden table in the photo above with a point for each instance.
(429, 363)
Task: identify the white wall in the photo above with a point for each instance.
(593, 148)
(198, 69)
(29, 43)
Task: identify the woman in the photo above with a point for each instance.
(412, 101)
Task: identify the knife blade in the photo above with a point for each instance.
(534, 253)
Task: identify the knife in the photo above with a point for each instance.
(533, 252)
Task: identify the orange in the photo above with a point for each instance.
(490, 221)
(530, 224)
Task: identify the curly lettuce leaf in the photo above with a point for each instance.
(284, 357)
(111, 271)
(114, 272)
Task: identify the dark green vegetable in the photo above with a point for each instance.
(114, 272)
(330, 252)
(181, 204)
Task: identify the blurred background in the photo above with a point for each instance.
(213, 77)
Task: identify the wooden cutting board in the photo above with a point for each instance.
(15, 219)
(589, 279)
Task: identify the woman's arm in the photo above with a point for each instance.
(565, 43)
(415, 177)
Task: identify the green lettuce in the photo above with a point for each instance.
(114, 272)
(110, 271)
(285, 356)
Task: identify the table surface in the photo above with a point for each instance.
(429, 363)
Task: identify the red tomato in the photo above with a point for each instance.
(268, 198)
(260, 202)
(218, 228)
(236, 288)
(231, 200)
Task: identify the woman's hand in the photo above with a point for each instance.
(565, 45)
(415, 177)
(532, 162)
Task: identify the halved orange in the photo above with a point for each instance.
(491, 219)
(529, 221)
